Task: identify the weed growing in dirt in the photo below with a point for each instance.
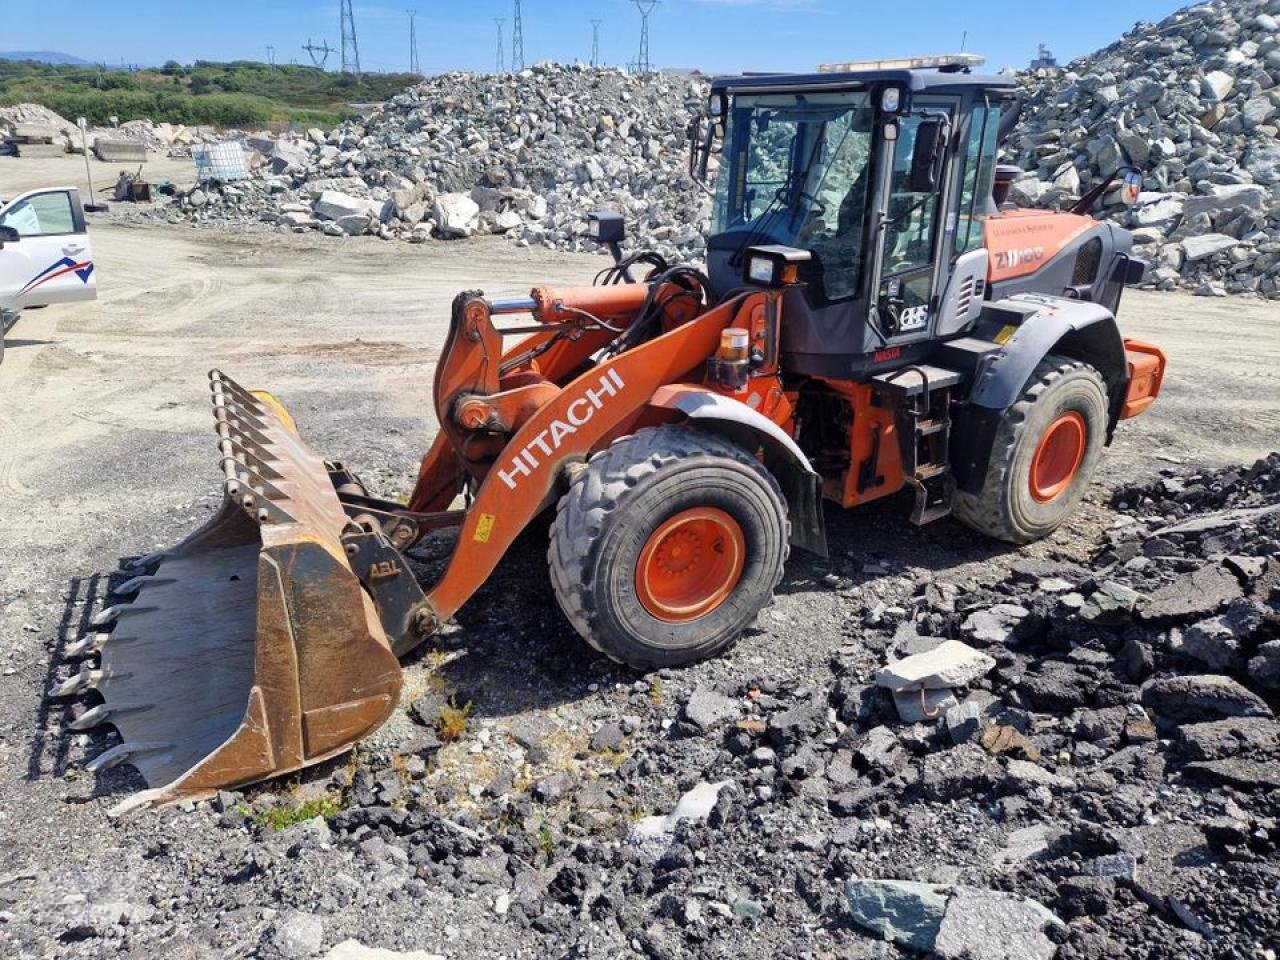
(281, 818)
(451, 724)
(546, 842)
(655, 692)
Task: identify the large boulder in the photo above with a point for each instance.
(456, 215)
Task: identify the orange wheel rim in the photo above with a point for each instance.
(690, 564)
(1058, 456)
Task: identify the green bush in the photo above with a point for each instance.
(237, 94)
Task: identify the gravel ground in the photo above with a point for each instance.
(526, 837)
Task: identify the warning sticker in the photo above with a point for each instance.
(484, 528)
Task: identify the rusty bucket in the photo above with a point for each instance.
(249, 649)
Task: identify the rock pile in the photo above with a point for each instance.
(1073, 760)
(527, 155)
(1193, 102)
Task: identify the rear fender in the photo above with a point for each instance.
(1030, 327)
(731, 418)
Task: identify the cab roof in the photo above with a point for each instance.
(917, 81)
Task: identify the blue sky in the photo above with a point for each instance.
(714, 35)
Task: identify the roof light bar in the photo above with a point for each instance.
(906, 63)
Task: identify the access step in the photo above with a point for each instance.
(917, 379)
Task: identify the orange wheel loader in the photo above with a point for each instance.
(870, 318)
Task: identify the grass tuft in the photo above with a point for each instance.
(451, 724)
(281, 818)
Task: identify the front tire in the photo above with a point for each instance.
(1046, 449)
(667, 546)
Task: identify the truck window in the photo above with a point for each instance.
(979, 168)
(45, 214)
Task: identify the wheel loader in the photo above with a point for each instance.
(872, 318)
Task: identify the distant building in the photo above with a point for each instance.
(1045, 60)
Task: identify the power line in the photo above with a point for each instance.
(319, 54)
(413, 43)
(501, 65)
(595, 42)
(350, 49)
(517, 40)
(643, 64)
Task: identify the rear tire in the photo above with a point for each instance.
(667, 546)
(1046, 449)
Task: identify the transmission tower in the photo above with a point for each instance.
(643, 64)
(271, 55)
(595, 42)
(319, 54)
(413, 43)
(350, 49)
(517, 40)
(500, 66)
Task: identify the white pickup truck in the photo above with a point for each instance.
(45, 255)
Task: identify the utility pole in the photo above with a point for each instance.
(517, 40)
(413, 44)
(350, 49)
(319, 54)
(501, 65)
(271, 55)
(595, 42)
(643, 64)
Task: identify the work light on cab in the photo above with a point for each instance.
(774, 265)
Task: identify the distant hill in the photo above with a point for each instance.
(43, 56)
(242, 93)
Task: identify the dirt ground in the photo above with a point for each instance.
(106, 451)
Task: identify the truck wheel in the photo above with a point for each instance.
(667, 546)
(1046, 449)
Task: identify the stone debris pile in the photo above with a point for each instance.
(527, 155)
(1193, 102)
(1096, 774)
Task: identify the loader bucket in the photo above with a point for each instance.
(250, 649)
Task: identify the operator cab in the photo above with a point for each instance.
(883, 175)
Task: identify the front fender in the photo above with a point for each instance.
(732, 418)
(1029, 327)
(1075, 328)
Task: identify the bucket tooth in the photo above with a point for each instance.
(251, 648)
(124, 753)
(102, 713)
(134, 584)
(85, 646)
(84, 680)
(107, 615)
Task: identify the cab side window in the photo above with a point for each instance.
(45, 214)
(912, 216)
(979, 171)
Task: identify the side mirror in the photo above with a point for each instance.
(702, 135)
(610, 229)
(9, 235)
(927, 155)
(607, 227)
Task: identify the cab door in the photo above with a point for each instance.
(51, 261)
(909, 240)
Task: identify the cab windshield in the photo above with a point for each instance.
(797, 172)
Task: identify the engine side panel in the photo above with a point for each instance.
(1021, 242)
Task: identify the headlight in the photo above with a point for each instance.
(593, 229)
(760, 270)
(774, 265)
